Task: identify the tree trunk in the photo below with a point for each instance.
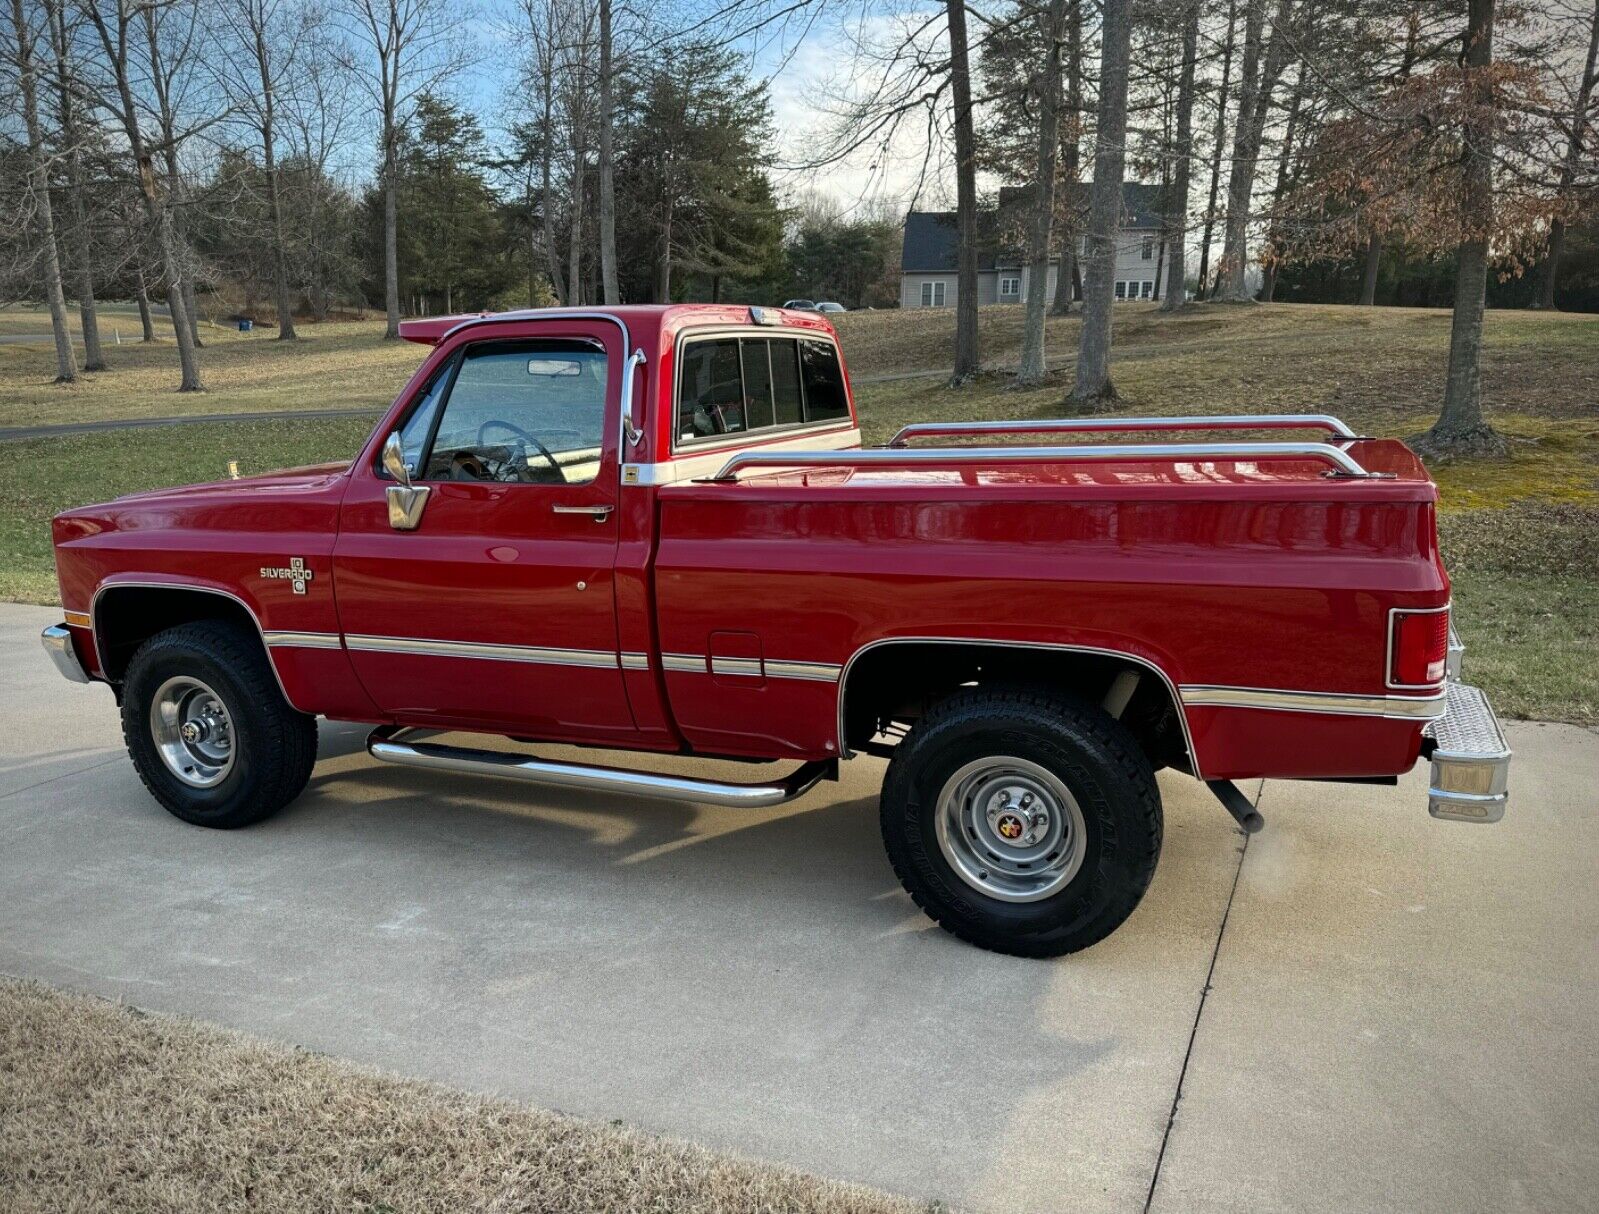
(391, 228)
(172, 268)
(1460, 428)
(191, 302)
(1218, 145)
(1254, 102)
(142, 296)
(1279, 189)
(967, 357)
(1031, 369)
(1066, 271)
(1177, 207)
(77, 237)
(280, 256)
(613, 292)
(1545, 297)
(547, 204)
(1105, 207)
(39, 188)
(1368, 284)
(574, 245)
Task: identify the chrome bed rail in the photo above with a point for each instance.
(1109, 425)
(1341, 463)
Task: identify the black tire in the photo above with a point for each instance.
(273, 746)
(1097, 761)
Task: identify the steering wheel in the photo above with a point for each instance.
(522, 436)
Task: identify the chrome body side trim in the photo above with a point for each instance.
(634, 661)
(432, 648)
(1269, 699)
(94, 612)
(1388, 650)
(1105, 425)
(749, 668)
(1339, 459)
(983, 642)
(57, 642)
(819, 672)
(303, 640)
(389, 744)
(684, 663)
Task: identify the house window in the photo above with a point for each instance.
(1148, 251)
(1145, 289)
(932, 295)
(1010, 288)
(1121, 290)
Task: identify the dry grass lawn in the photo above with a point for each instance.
(107, 1108)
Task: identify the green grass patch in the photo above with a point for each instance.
(41, 477)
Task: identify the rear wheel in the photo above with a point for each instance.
(1027, 822)
(208, 728)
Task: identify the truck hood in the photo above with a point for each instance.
(314, 478)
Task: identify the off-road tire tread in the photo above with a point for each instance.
(1061, 714)
(284, 739)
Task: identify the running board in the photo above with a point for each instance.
(387, 743)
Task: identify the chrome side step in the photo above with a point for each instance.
(387, 743)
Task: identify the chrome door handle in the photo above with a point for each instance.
(598, 513)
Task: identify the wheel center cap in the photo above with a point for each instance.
(1010, 826)
(191, 731)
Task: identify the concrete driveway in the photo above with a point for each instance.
(1361, 1009)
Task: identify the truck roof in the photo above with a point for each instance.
(639, 318)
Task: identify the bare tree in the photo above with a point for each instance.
(407, 48)
(1218, 146)
(1031, 369)
(613, 292)
(78, 237)
(1105, 207)
(1460, 426)
(1175, 222)
(1067, 274)
(1264, 57)
(1576, 138)
(268, 35)
(115, 22)
(967, 356)
(24, 62)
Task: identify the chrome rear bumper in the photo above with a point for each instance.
(1470, 759)
(57, 641)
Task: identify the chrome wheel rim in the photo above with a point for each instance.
(192, 731)
(1010, 829)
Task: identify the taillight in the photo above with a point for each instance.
(1418, 648)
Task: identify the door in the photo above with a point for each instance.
(497, 611)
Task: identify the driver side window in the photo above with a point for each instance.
(530, 412)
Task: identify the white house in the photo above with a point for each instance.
(927, 259)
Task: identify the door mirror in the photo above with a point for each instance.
(406, 501)
(394, 460)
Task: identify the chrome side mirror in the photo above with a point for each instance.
(406, 501)
(629, 376)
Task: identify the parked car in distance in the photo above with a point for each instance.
(828, 305)
(800, 305)
(654, 529)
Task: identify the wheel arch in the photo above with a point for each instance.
(954, 660)
(125, 614)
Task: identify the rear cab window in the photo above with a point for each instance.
(730, 385)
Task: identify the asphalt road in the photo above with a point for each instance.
(1362, 1009)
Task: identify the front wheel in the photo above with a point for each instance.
(208, 728)
(1027, 822)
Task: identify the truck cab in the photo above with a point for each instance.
(654, 529)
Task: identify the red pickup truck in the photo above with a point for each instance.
(655, 529)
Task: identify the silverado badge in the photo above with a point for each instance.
(296, 573)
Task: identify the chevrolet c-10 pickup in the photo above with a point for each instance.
(656, 530)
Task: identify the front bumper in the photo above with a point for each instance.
(1470, 759)
(57, 641)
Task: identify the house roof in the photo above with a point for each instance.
(931, 237)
